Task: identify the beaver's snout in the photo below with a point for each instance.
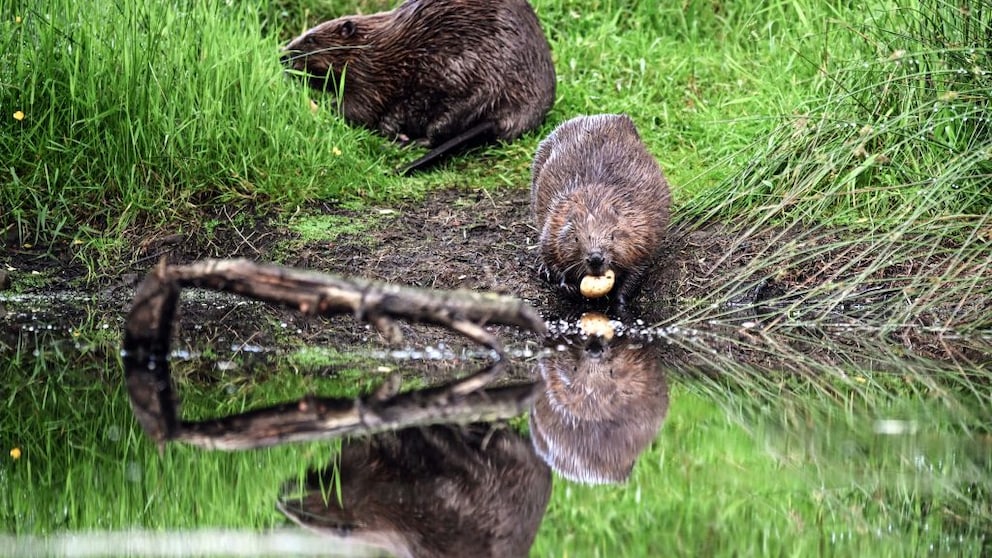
(595, 261)
(293, 58)
(594, 347)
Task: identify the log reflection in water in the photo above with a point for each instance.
(473, 491)
(602, 404)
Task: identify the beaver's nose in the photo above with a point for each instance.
(290, 54)
(594, 347)
(595, 260)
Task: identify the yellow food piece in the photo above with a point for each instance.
(596, 324)
(593, 286)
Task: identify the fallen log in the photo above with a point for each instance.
(149, 383)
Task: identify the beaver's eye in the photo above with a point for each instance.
(309, 40)
(347, 29)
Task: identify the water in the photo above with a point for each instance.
(721, 436)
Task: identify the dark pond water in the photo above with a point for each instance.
(719, 436)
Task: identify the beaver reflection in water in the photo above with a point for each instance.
(602, 405)
(443, 73)
(435, 491)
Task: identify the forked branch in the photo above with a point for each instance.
(149, 326)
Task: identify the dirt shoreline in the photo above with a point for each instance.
(454, 238)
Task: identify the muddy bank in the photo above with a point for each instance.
(712, 279)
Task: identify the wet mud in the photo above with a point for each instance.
(706, 281)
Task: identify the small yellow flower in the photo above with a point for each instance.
(17, 19)
(18, 115)
(15, 453)
(336, 151)
(860, 379)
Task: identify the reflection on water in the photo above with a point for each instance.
(603, 402)
(471, 491)
(869, 452)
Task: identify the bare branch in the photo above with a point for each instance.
(149, 383)
(462, 311)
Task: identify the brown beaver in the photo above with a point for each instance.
(601, 203)
(443, 73)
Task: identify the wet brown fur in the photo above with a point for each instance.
(429, 70)
(595, 189)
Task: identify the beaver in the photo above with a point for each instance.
(477, 490)
(603, 403)
(447, 74)
(601, 203)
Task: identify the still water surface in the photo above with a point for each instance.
(657, 441)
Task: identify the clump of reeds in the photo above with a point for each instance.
(871, 210)
(902, 133)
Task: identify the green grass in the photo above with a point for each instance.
(878, 188)
(138, 113)
(900, 134)
(861, 132)
(196, 110)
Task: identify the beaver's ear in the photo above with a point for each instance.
(347, 29)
